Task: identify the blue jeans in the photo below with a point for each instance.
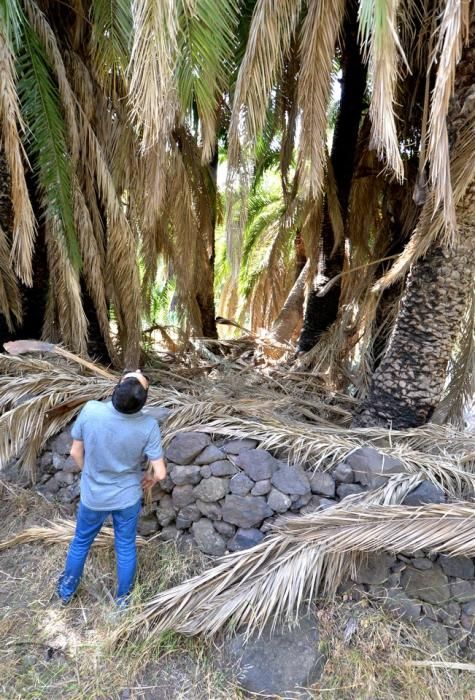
(88, 524)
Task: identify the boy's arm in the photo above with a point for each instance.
(77, 452)
(156, 472)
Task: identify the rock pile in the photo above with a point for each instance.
(436, 592)
(224, 495)
(227, 493)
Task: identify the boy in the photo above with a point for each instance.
(110, 441)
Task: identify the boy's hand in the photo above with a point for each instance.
(155, 473)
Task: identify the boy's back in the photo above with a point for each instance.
(115, 445)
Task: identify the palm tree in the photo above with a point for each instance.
(408, 384)
(115, 113)
(400, 148)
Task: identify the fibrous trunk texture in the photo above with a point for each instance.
(409, 382)
(291, 312)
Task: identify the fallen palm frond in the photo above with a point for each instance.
(321, 447)
(288, 413)
(303, 556)
(61, 532)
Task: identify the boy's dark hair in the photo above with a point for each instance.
(129, 396)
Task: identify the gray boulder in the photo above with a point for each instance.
(431, 586)
(245, 538)
(167, 484)
(291, 481)
(165, 511)
(343, 473)
(397, 602)
(184, 447)
(245, 511)
(261, 488)
(299, 502)
(212, 489)
(278, 501)
(258, 464)
(148, 525)
(234, 447)
(223, 528)
(371, 468)
(185, 475)
(240, 484)
(462, 591)
(376, 568)
(459, 567)
(61, 444)
(322, 484)
(191, 512)
(421, 563)
(223, 468)
(183, 495)
(426, 492)
(211, 510)
(208, 540)
(70, 466)
(210, 454)
(282, 662)
(169, 533)
(436, 632)
(317, 502)
(345, 490)
(205, 471)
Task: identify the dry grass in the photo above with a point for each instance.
(378, 659)
(47, 651)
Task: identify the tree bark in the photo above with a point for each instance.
(205, 295)
(321, 312)
(409, 382)
(291, 312)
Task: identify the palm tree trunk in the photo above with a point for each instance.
(205, 295)
(291, 312)
(321, 312)
(409, 382)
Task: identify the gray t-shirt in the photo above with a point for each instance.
(115, 445)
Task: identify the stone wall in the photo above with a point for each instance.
(223, 495)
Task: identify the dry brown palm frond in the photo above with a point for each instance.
(92, 266)
(272, 28)
(66, 288)
(24, 224)
(60, 532)
(303, 556)
(320, 32)
(461, 387)
(321, 447)
(449, 51)
(382, 49)
(10, 299)
(152, 95)
(121, 246)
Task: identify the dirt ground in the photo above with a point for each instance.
(48, 652)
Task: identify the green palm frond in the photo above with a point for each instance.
(111, 36)
(12, 19)
(206, 47)
(47, 137)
